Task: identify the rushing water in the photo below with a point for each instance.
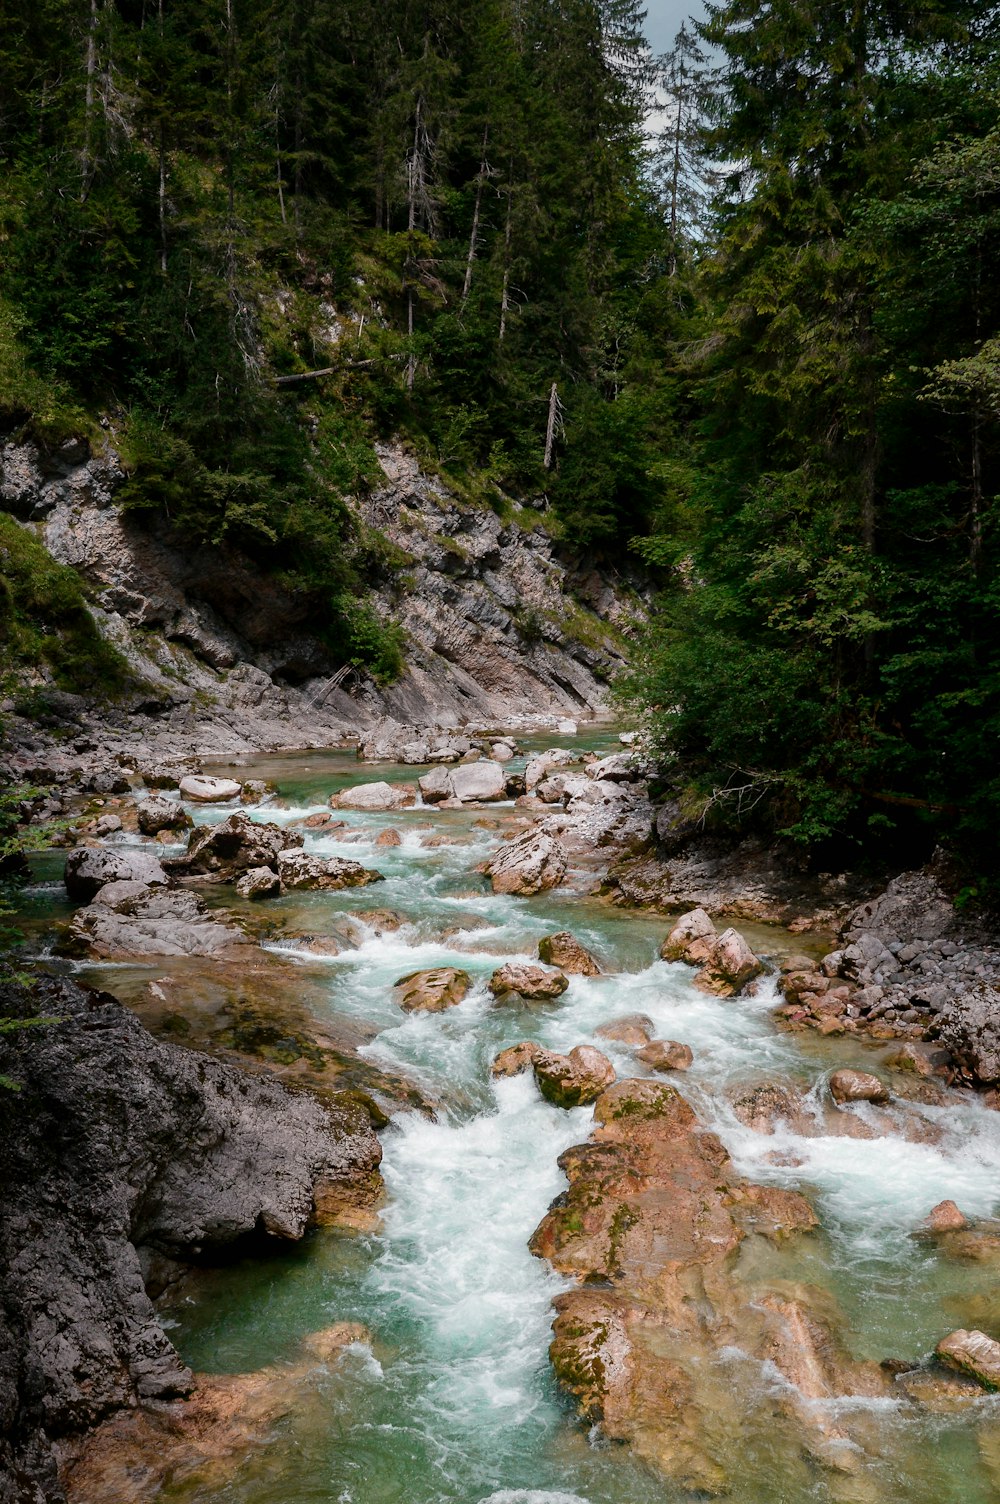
(453, 1402)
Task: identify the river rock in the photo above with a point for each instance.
(969, 1026)
(730, 965)
(973, 1353)
(566, 952)
(432, 991)
(666, 1055)
(542, 762)
(139, 921)
(155, 814)
(127, 1147)
(237, 844)
(256, 789)
(533, 983)
(515, 1060)
(945, 1217)
(479, 782)
(691, 939)
(573, 1080)
(632, 1028)
(857, 1086)
(529, 864)
(503, 751)
(204, 790)
(373, 796)
(389, 838)
(88, 868)
(259, 882)
(435, 786)
(300, 870)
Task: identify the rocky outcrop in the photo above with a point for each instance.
(531, 863)
(90, 868)
(128, 920)
(236, 845)
(118, 1151)
(651, 1228)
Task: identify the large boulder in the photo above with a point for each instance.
(156, 814)
(88, 868)
(128, 920)
(373, 796)
(969, 1026)
(432, 991)
(566, 952)
(435, 786)
(691, 939)
(573, 1080)
(201, 789)
(522, 979)
(479, 782)
(235, 845)
(530, 864)
(973, 1353)
(730, 965)
(857, 1086)
(298, 870)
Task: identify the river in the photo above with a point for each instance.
(453, 1401)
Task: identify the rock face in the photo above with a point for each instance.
(432, 991)
(572, 1080)
(119, 1149)
(372, 797)
(129, 920)
(234, 846)
(566, 952)
(298, 870)
(533, 983)
(531, 863)
(650, 1226)
(89, 868)
(972, 1353)
(204, 790)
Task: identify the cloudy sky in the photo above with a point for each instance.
(664, 19)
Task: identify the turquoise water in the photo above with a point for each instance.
(452, 1401)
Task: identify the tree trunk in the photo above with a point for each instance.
(505, 289)
(553, 425)
(474, 235)
(86, 163)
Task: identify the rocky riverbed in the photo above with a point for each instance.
(710, 1151)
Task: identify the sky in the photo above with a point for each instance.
(663, 20)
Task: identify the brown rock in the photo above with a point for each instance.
(531, 863)
(691, 939)
(857, 1086)
(666, 1055)
(632, 1028)
(973, 1353)
(729, 966)
(432, 991)
(945, 1217)
(909, 1057)
(566, 952)
(573, 1080)
(389, 837)
(515, 1060)
(534, 983)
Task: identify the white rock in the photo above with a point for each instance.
(372, 796)
(531, 864)
(205, 790)
(435, 786)
(483, 780)
(539, 766)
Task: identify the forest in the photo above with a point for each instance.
(756, 351)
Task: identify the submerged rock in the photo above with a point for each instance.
(521, 979)
(432, 991)
(89, 868)
(973, 1353)
(529, 864)
(632, 1028)
(666, 1055)
(566, 952)
(572, 1080)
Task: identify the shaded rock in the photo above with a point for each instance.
(373, 796)
(691, 939)
(204, 790)
(573, 1080)
(631, 1028)
(730, 965)
(299, 870)
(912, 1059)
(666, 1055)
(533, 983)
(529, 864)
(857, 1086)
(237, 844)
(259, 882)
(154, 815)
(256, 789)
(432, 991)
(482, 781)
(566, 952)
(973, 1353)
(515, 1060)
(675, 826)
(945, 1217)
(88, 868)
(435, 786)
